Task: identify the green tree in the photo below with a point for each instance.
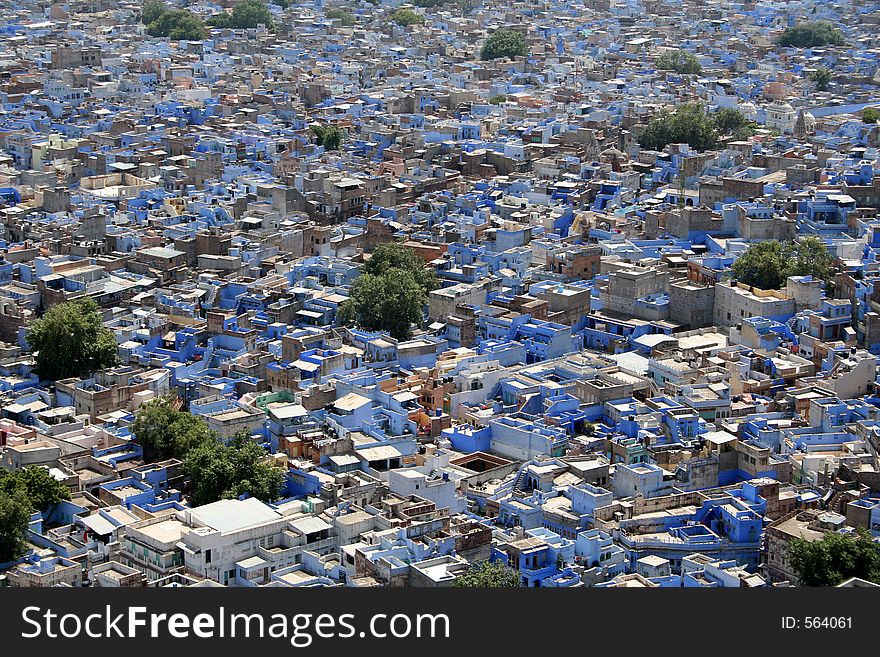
(391, 256)
(41, 488)
(333, 138)
(22, 493)
(216, 471)
(822, 77)
(689, 123)
(808, 257)
(870, 115)
(505, 42)
(679, 61)
(165, 432)
(810, 35)
(328, 136)
(486, 575)
(407, 17)
(762, 265)
(71, 340)
(730, 121)
(15, 513)
(152, 10)
(178, 24)
(390, 302)
(768, 264)
(835, 558)
(246, 14)
(343, 16)
(498, 99)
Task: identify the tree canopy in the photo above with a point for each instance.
(390, 302)
(486, 575)
(164, 431)
(464, 5)
(217, 471)
(691, 124)
(328, 136)
(679, 61)
(505, 42)
(835, 558)
(71, 340)
(390, 293)
(810, 35)
(407, 17)
(152, 10)
(729, 121)
(15, 512)
(822, 77)
(394, 255)
(768, 264)
(870, 115)
(246, 14)
(40, 487)
(23, 492)
(344, 16)
(177, 24)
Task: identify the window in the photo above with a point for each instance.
(207, 556)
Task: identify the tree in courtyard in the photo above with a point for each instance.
(15, 513)
(835, 558)
(406, 17)
(809, 257)
(679, 61)
(390, 302)
(870, 115)
(390, 293)
(328, 136)
(486, 575)
(152, 10)
(246, 14)
(762, 265)
(689, 124)
(505, 42)
(768, 264)
(811, 35)
(71, 340)
(344, 17)
(164, 431)
(177, 24)
(217, 471)
(42, 490)
(22, 493)
(822, 77)
(394, 255)
(729, 121)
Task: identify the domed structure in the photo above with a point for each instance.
(810, 121)
(781, 116)
(749, 111)
(804, 125)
